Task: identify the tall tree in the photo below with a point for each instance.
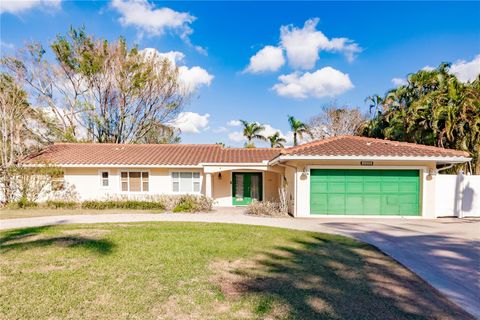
(22, 130)
(298, 128)
(252, 131)
(433, 108)
(98, 90)
(276, 141)
(336, 121)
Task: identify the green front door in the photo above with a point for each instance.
(246, 186)
(364, 192)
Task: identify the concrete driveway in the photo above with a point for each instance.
(444, 252)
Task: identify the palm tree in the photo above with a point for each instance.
(298, 128)
(276, 141)
(251, 131)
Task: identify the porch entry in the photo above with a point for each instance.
(246, 186)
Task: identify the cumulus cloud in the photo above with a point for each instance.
(18, 6)
(192, 78)
(466, 70)
(269, 58)
(234, 123)
(321, 83)
(399, 82)
(191, 122)
(155, 21)
(303, 45)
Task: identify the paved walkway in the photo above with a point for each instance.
(444, 252)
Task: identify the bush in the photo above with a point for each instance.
(191, 203)
(24, 203)
(59, 204)
(124, 204)
(266, 208)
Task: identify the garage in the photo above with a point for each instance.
(364, 192)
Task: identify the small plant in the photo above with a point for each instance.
(265, 208)
(24, 203)
(191, 203)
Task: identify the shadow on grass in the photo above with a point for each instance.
(331, 277)
(35, 237)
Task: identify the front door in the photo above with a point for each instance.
(246, 186)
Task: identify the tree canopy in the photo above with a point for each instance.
(434, 108)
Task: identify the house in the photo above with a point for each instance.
(344, 175)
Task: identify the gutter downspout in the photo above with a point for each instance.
(294, 186)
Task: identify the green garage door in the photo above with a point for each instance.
(364, 192)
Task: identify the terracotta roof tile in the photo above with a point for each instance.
(194, 154)
(362, 146)
(149, 154)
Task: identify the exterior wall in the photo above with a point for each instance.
(458, 195)
(87, 182)
(302, 192)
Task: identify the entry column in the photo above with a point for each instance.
(208, 185)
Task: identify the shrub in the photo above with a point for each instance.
(191, 203)
(24, 203)
(59, 204)
(123, 204)
(266, 208)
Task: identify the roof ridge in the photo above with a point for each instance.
(139, 144)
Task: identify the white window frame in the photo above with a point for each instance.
(199, 180)
(100, 174)
(141, 181)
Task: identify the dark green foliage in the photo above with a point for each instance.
(433, 108)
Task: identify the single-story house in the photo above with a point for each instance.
(346, 175)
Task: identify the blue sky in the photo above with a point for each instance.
(326, 51)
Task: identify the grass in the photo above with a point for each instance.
(204, 271)
(6, 213)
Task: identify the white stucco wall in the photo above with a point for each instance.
(302, 206)
(87, 182)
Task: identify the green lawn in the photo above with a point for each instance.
(204, 271)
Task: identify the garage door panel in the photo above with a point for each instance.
(364, 192)
(354, 187)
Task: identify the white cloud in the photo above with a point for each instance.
(399, 82)
(192, 78)
(191, 122)
(155, 21)
(303, 45)
(269, 58)
(321, 83)
(466, 70)
(18, 6)
(7, 45)
(174, 57)
(234, 123)
(236, 136)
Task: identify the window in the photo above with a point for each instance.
(186, 182)
(134, 181)
(105, 182)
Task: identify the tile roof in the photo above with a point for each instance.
(362, 146)
(148, 154)
(195, 154)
